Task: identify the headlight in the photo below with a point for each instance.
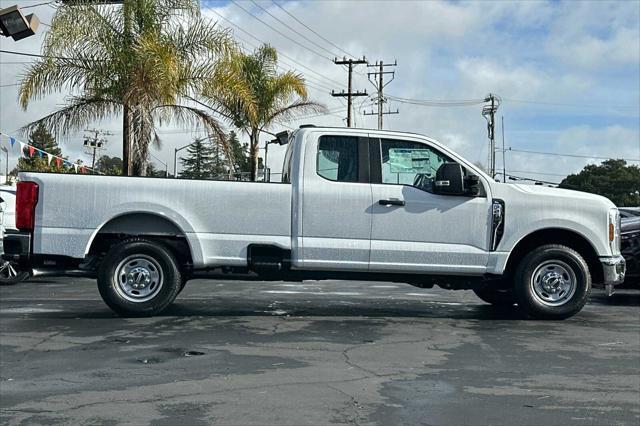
(615, 228)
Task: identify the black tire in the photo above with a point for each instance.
(183, 282)
(496, 296)
(159, 260)
(558, 263)
(11, 274)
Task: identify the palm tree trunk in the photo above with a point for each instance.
(126, 141)
(253, 153)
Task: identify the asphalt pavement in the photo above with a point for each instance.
(313, 353)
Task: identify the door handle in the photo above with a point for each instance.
(392, 202)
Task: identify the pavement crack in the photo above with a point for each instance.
(348, 361)
(353, 403)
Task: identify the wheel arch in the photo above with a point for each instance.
(563, 236)
(144, 224)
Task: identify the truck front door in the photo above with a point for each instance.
(415, 230)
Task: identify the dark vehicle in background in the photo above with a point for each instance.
(631, 244)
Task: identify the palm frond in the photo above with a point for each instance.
(291, 111)
(79, 113)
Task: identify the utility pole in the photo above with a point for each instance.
(349, 94)
(489, 112)
(504, 161)
(380, 85)
(95, 143)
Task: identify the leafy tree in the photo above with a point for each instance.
(199, 162)
(613, 179)
(153, 171)
(42, 139)
(240, 153)
(263, 96)
(144, 60)
(109, 165)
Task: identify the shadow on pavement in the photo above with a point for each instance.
(252, 308)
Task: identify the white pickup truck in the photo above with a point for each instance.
(353, 203)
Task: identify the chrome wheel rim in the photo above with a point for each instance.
(138, 278)
(553, 283)
(7, 271)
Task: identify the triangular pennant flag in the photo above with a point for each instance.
(58, 161)
(83, 170)
(49, 158)
(12, 140)
(21, 149)
(75, 167)
(42, 153)
(31, 149)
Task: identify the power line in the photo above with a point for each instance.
(590, 104)
(310, 29)
(293, 29)
(437, 103)
(262, 42)
(39, 4)
(538, 173)
(516, 178)
(279, 32)
(321, 85)
(570, 155)
(33, 55)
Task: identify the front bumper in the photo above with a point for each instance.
(614, 269)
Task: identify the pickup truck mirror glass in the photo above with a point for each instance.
(449, 180)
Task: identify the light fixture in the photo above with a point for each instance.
(17, 26)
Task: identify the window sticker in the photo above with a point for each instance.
(403, 160)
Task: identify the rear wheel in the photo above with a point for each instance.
(11, 273)
(552, 282)
(139, 278)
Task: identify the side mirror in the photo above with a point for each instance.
(282, 138)
(449, 180)
(472, 185)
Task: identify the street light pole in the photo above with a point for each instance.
(175, 156)
(267, 174)
(166, 166)
(6, 165)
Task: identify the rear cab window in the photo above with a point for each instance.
(338, 158)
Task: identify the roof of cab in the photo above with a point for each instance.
(313, 127)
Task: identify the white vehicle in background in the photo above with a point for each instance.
(10, 272)
(352, 204)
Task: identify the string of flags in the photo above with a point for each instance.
(32, 150)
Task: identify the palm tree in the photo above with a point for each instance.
(144, 61)
(264, 96)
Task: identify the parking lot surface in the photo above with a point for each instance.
(313, 353)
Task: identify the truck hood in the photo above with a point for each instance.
(552, 193)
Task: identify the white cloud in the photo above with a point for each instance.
(566, 52)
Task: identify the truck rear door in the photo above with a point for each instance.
(336, 203)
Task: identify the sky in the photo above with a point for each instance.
(567, 72)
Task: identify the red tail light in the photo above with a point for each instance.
(26, 200)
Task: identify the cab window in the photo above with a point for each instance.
(410, 163)
(337, 158)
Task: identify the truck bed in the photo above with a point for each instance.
(218, 218)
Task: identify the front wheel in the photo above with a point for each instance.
(552, 282)
(139, 278)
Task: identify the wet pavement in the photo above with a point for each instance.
(313, 353)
